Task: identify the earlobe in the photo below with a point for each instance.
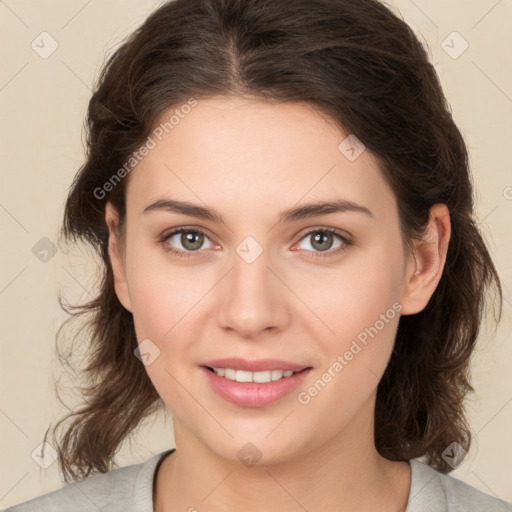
(116, 258)
(426, 265)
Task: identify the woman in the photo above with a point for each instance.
(283, 208)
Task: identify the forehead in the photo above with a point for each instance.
(253, 156)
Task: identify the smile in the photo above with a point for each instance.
(253, 389)
(247, 376)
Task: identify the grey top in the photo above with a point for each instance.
(130, 489)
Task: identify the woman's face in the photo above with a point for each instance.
(262, 285)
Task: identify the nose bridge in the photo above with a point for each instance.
(250, 274)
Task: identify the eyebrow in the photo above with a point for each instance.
(292, 214)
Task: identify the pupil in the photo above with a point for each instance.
(325, 236)
(318, 240)
(189, 238)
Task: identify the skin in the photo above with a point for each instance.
(249, 160)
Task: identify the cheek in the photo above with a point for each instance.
(359, 304)
(163, 298)
(154, 299)
(161, 291)
(359, 314)
(343, 299)
(163, 302)
(351, 297)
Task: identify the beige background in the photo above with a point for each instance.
(43, 102)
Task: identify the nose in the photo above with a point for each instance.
(252, 298)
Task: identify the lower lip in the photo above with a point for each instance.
(253, 394)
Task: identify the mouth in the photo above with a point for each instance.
(258, 388)
(261, 377)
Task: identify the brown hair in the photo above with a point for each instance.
(361, 65)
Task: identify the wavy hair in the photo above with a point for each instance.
(361, 65)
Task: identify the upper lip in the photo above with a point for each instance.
(255, 365)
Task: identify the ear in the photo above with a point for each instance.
(426, 265)
(116, 257)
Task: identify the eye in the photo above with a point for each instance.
(323, 240)
(192, 240)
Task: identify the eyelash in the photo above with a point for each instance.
(315, 254)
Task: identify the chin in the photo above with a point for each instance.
(258, 449)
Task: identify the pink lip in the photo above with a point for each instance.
(257, 365)
(253, 394)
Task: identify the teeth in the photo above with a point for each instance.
(259, 377)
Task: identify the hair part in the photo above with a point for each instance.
(363, 67)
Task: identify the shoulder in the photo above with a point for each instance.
(123, 489)
(432, 490)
